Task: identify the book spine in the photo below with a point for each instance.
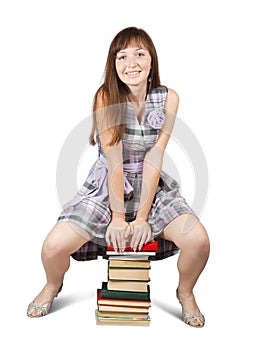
(127, 295)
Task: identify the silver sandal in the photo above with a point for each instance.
(191, 319)
(42, 310)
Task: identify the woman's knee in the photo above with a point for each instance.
(62, 240)
(200, 242)
(52, 247)
(189, 235)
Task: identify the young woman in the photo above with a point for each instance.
(126, 196)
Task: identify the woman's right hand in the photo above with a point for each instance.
(117, 234)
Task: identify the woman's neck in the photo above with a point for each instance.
(137, 93)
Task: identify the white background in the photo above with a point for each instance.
(52, 59)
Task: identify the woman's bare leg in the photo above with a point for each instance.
(191, 237)
(63, 240)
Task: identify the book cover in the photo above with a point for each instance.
(122, 315)
(139, 274)
(149, 247)
(124, 285)
(121, 302)
(131, 253)
(129, 256)
(121, 321)
(140, 264)
(121, 294)
(130, 315)
(130, 309)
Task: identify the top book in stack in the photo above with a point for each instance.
(147, 250)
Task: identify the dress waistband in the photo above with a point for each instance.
(101, 174)
(128, 167)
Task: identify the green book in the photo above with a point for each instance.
(122, 294)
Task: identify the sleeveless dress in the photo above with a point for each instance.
(90, 208)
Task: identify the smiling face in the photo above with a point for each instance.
(133, 65)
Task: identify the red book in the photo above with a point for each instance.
(149, 247)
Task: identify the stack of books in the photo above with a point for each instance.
(125, 298)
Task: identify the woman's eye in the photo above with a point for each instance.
(121, 58)
(140, 54)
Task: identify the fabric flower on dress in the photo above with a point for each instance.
(156, 119)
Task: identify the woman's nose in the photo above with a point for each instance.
(132, 61)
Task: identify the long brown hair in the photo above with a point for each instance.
(113, 91)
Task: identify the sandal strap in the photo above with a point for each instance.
(191, 319)
(42, 310)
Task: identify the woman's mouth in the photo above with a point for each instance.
(133, 73)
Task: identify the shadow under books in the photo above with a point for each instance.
(168, 308)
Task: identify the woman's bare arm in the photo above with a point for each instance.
(118, 229)
(151, 171)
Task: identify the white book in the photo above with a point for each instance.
(128, 257)
(113, 252)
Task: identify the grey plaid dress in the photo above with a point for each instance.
(90, 208)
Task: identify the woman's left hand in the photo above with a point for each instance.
(141, 233)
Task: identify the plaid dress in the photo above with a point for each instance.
(90, 208)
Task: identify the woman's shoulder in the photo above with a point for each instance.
(173, 95)
(172, 101)
(167, 93)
